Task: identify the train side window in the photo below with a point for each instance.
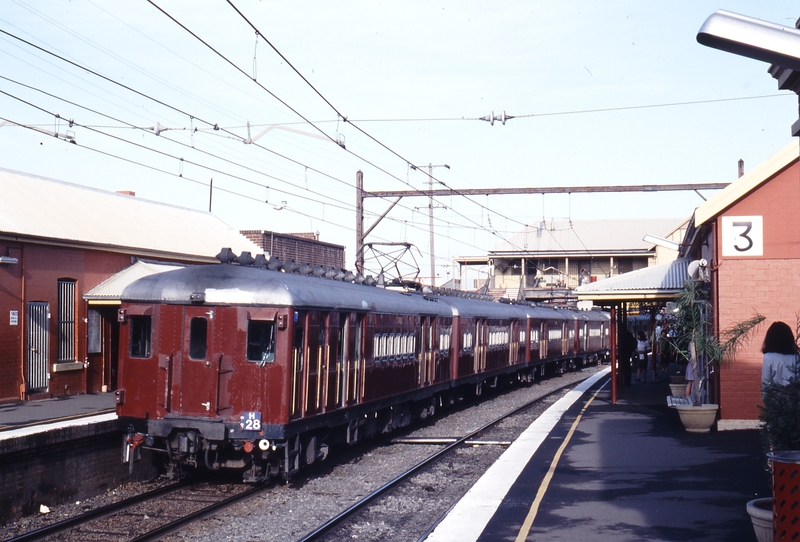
(141, 327)
(198, 338)
(379, 350)
(444, 341)
(261, 341)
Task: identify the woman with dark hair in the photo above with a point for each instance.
(780, 354)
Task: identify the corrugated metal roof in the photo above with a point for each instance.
(111, 288)
(44, 208)
(746, 183)
(588, 236)
(658, 281)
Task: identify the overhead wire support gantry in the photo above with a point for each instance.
(543, 190)
(362, 194)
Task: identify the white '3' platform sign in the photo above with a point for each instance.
(742, 236)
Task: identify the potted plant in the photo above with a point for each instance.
(695, 343)
(780, 432)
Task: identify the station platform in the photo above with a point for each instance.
(28, 424)
(592, 471)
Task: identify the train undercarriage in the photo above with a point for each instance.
(187, 445)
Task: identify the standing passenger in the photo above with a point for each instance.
(627, 344)
(642, 348)
(780, 355)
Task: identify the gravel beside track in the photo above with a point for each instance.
(287, 512)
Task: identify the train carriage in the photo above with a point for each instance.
(239, 366)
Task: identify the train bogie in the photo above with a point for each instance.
(234, 366)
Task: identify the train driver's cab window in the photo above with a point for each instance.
(198, 338)
(261, 341)
(141, 327)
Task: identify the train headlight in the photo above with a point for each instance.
(263, 445)
(149, 440)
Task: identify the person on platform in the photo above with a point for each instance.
(664, 353)
(642, 350)
(780, 354)
(627, 344)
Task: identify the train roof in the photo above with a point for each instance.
(476, 308)
(226, 284)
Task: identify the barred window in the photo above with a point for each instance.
(66, 321)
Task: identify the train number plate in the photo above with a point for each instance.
(250, 421)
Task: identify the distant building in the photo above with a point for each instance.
(57, 242)
(548, 260)
(300, 247)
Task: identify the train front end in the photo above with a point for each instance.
(201, 378)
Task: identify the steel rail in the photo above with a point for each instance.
(179, 523)
(103, 511)
(343, 515)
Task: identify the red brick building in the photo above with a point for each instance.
(58, 241)
(300, 247)
(750, 234)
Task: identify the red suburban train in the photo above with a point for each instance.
(245, 365)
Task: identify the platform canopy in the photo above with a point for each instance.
(659, 282)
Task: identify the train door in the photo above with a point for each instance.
(332, 361)
(298, 363)
(480, 345)
(515, 339)
(585, 337)
(427, 367)
(314, 373)
(198, 375)
(38, 342)
(543, 340)
(355, 359)
(343, 359)
(526, 338)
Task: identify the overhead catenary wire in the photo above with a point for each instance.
(232, 136)
(344, 205)
(181, 111)
(243, 72)
(142, 94)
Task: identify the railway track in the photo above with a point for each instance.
(381, 473)
(148, 516)
(336, 529)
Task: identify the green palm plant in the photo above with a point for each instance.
(694, 340)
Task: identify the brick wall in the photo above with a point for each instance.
(747, 288)
(10, 335)
(764, 285)
(72, 470)
(300, 249)
(35, 278)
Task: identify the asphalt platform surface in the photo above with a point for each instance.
(630, 472)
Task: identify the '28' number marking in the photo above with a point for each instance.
(252, 425)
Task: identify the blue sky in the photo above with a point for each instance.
(593, 86)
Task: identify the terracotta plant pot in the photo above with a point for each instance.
(698, 419)
(760, 511)
(678, 390)
(786, 493)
